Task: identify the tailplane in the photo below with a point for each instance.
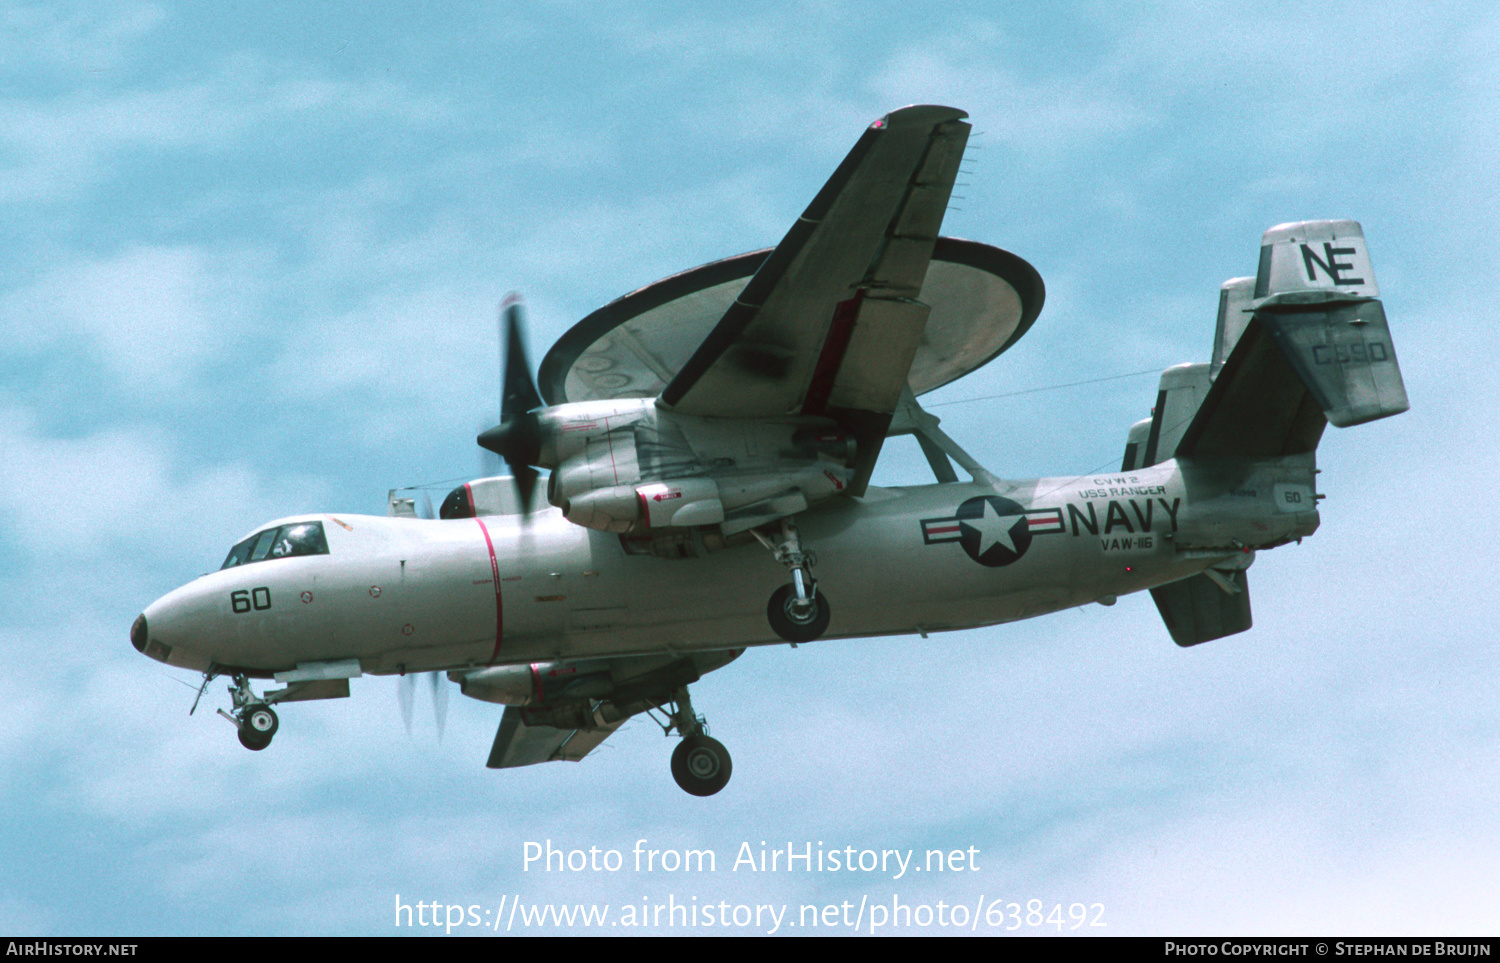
(1302, 344)
(1315, 349)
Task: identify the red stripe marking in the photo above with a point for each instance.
(835, 343)
(942, 529)
(495, 574)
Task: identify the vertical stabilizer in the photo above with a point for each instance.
(1182, 390)
(1235, 310)
(1303, 343)
(1201, 608)
(1135, 445)
(1323, 256)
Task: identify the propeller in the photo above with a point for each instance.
(439, 701)
(406, 694)
(518, 437)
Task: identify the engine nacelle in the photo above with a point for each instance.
(679, 503)
(734, 502)
(614, 509)
(524, 685)
(482, 496)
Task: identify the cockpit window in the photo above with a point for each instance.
(298, 538)
(262, 545)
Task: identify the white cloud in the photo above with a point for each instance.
(73, 39)
(154, 316)
(128, 488)
(67, 146)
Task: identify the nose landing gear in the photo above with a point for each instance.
(258, 723)
(255, 720)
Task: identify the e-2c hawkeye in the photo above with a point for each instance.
(709, 441)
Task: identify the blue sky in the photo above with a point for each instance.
(253, 259)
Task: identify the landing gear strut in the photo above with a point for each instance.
(255, 720)
(700, 764)
(798, 612)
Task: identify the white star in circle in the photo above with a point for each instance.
(993, 528)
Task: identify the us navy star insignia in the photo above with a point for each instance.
(993, 531)
(993, 528)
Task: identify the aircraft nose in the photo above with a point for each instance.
(138, 633)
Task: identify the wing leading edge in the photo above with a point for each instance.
(830, 322)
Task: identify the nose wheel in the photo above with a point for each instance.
(255, 721)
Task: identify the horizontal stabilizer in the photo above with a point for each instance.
(1316, 349)
(1258, 407)
(1199, 609)
(1343, 353)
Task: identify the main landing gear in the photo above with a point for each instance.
(700, 764)
(798, 612)
(255, 720)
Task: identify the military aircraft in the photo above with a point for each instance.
(710, 440)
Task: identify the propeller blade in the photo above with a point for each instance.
(518, 437)
(405, 686)
(406, 689)
(519, 393)
(439, 702)
(526, 479)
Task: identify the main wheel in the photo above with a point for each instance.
(798, 620)
(260, 720)
(701, 765)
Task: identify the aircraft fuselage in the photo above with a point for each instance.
(403, 594)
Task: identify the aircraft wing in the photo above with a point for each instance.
(830, 322)
(636, 684)
(519, 744)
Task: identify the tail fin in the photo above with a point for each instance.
(1184, 387)
(1205, 607)
(1315, 349)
